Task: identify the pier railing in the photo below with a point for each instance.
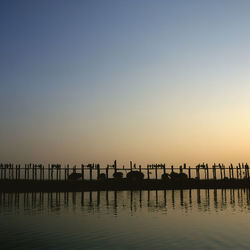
(58, 172)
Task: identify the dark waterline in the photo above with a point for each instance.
(180, 219)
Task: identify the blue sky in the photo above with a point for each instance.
(144, 80)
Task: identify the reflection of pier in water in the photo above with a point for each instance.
(166, 200)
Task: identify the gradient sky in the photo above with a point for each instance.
(149, 81)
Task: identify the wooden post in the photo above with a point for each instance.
(25, 174)
(107, 172)
(204, 168)
(9, 171)
(2, 175)
(1, 172)
(98, 171)
(207, 171)
(67, 171)
(32, 172)
(131, 166)
(148, 172)
(214, 171)
(156, 175)
(230, 171)
(237, 172)
(240, 171)
(43, 175)
(28, 171)
(36, 166)
(220, 171)
(90, 171)
(16, 169)
(224, 170)
(48, 171)
(140, 168)
(198, 172)
(82, 172)
(12, 171)
(56, 167)
(5, 169)
(60, 173)
(189, 172)
(17, 172)
(164, 169)
(36, 171)
(41, 171)
(247, 170)
(9, 166)
(243, 170)
(52, 168)
(172, 168)
(115, 166)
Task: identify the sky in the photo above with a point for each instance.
(144, 80)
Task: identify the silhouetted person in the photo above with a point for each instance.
(74, 176)
(135, 176)
(118, 175)
(165, 177)
(102, 176)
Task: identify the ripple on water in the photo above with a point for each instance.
(197, 219)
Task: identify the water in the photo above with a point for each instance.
(197, 219)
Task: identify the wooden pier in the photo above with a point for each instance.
(93, 176)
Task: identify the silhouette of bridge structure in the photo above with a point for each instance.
(95, 177)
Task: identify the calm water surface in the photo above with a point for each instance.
(197, 219)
